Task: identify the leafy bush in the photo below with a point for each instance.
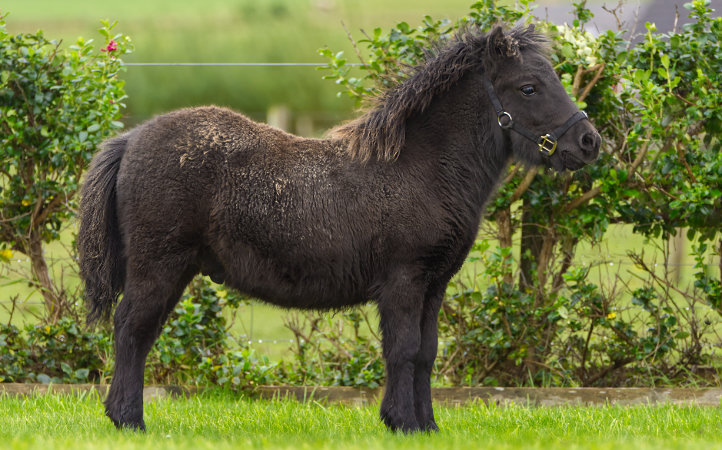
(56, 106)
(585, 337)
(328, 353)
(491, 335)
(195, 346)
(59, 352)
(13, 353)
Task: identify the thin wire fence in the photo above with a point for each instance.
(236, 64)
(231, 64)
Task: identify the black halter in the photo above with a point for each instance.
(547, 143)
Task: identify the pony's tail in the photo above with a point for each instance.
(100, 246)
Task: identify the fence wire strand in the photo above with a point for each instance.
(236, 64)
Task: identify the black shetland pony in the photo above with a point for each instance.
(384, 210)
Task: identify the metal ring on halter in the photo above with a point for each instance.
(504, 114)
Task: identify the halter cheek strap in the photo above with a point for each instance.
(548, 142)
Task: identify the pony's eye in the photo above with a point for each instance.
(528, 90)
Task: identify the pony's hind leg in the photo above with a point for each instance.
(151, 292)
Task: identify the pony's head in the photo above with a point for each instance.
(530, 105)
(512, 79)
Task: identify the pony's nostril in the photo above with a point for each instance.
(590, 143)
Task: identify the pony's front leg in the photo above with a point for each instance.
(425, 360)
(400, 305)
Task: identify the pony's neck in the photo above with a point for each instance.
(458, 136)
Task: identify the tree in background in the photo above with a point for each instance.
(56, 106)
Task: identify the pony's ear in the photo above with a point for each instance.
(501, 44)
(496, 40)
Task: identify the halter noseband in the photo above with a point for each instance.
(547, 143)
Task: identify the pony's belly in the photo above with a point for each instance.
(293, 275)
(300, 296)
(311, 285)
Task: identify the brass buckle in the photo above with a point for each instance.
(547, 145)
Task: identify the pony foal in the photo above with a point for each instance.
(384, 210)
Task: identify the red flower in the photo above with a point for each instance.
(111, 47)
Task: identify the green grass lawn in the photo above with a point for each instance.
(220, 420)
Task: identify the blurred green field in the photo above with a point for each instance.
(240, 31)
(228, 31)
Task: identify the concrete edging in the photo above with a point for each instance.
(444, 395)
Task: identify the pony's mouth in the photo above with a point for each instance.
(570, 161)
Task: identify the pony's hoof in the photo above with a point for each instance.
(430, 427)
(406, 426)
(129, 426)
(126, 424)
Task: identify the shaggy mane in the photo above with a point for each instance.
(380, 133)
